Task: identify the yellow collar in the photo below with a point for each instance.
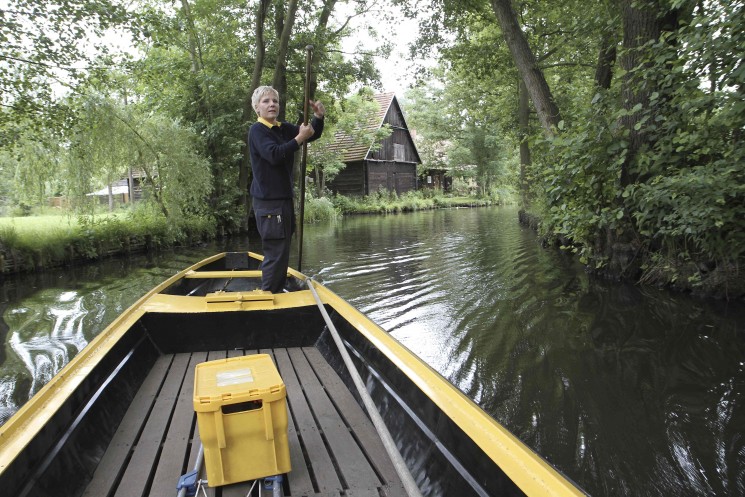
(267, 123)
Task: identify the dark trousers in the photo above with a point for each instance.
(275, 220)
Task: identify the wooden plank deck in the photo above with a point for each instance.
(334, 448)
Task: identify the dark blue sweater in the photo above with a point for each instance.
(272, 152)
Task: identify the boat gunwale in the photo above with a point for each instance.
(526, 468)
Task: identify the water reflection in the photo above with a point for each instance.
(44, 354)
(42, 341)
(48, 318)
(629, 391)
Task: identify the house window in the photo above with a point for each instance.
(399, 152)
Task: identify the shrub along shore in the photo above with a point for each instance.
(35, 243)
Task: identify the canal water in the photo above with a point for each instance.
(627, 390)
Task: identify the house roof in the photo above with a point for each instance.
(358, 151)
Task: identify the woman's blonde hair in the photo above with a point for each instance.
(259, 92)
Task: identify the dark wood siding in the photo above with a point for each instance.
(393, 176)
(390, 165)
(350, 180)
(399, 136)
(435, 179)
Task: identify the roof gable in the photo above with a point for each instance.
(387, 103)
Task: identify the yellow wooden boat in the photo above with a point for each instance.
(119, 419)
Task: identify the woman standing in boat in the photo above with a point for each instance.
(272, 145)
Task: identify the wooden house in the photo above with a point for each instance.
(123, 191)
(436, 179)
(390, 165)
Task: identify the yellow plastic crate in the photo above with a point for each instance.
(241, 411)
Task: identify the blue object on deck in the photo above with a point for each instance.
(189, 482)
(274, 483)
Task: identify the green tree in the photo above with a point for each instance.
(562, 42)
(205, 75)
(7, 167)
(650, 173)
(46, 48)
(641, 164)
(34, 163)
(459, 126)
(110, 138)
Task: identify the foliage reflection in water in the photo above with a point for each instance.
(629, 391)
(48, 318)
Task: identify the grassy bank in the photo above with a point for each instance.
(29, 243)
(385, 202)
(35, 242)
(330, 208)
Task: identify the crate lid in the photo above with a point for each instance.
(237, 379)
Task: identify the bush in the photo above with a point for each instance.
(20, 210)
(384, 202)
(43, 242)
(698, 210)
(320, 209)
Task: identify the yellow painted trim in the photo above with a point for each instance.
(520, 463)
(238, 296)
(223, 274)
(182, 304)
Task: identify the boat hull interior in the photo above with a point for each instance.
(129, 428)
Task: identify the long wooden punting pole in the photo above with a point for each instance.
(304, 159)
(410, 486)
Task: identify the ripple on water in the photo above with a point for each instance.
(629, 391)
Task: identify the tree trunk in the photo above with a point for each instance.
(321, 36)
(641, 23)
(131, 185)
(262, 10)
(523, 111)
(248, 111)
(151, 180)
(531, 74)
(319, 186)
(606, 60)
(197, 65)
(284, 31)
(191, 33)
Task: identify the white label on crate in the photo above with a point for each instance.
(234, 377)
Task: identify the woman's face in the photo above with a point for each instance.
(268, 107)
